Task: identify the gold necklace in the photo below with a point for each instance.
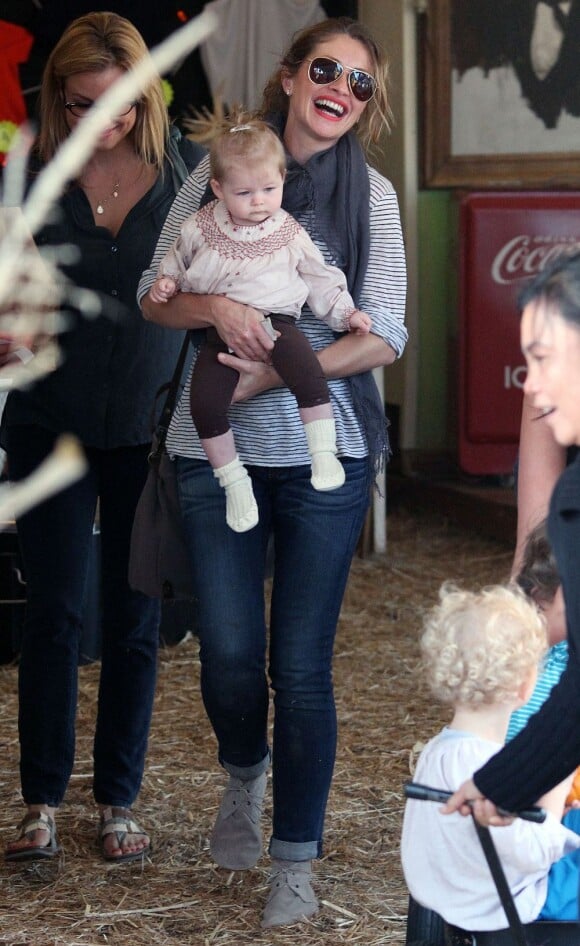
(112, 196)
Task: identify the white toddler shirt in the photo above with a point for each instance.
(443, 862)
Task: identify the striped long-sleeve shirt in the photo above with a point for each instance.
(267, 429)
(554, 666)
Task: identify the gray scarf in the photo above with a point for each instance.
(333, 189)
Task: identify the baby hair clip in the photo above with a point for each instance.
(240, 128)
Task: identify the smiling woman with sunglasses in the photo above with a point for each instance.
(328, 95)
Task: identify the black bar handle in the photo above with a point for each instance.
(425, 793)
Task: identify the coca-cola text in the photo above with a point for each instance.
(524, 256)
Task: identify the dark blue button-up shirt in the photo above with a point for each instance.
(113, 364)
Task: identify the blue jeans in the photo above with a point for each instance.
(315, 535)
(55, 541)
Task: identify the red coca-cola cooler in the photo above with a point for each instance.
(505, 238)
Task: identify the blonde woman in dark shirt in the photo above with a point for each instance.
(102, 392)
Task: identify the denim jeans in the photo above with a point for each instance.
(55, 540)
(315, 534)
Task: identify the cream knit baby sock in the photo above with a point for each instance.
(327, 470)
(241, 506)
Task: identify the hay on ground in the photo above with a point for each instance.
(178, 897)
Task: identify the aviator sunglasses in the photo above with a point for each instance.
(323, 71)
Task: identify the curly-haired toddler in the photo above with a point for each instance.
(481, 652)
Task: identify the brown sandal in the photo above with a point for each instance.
(35, 821)
(120, 824)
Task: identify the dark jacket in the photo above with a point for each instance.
(548, 748)
(113, 364)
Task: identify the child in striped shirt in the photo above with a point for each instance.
(539, 580)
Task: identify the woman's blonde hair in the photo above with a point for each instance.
(479, 647)
(377, 115)
(93, 43)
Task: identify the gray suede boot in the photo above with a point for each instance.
(236, 840)
(291, 895)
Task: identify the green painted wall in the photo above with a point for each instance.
(437, 307)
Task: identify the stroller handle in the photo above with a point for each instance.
(425, 793)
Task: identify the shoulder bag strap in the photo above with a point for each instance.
(169, 406)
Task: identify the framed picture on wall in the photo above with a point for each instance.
(501, 94)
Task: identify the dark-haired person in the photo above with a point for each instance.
(548, 748)
(328, 95)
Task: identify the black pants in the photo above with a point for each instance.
(213, 384)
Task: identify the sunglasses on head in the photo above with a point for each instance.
(323, 71)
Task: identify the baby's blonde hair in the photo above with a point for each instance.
(479, 647)
(240, 137)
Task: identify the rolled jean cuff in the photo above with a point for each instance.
(247, 772)
(295, 850)
(34, 799)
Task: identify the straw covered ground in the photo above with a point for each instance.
(178, 896)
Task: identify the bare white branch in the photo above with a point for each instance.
(65, 465)
(31, 287)
(76, 150)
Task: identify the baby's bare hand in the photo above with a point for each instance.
(359, 323)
